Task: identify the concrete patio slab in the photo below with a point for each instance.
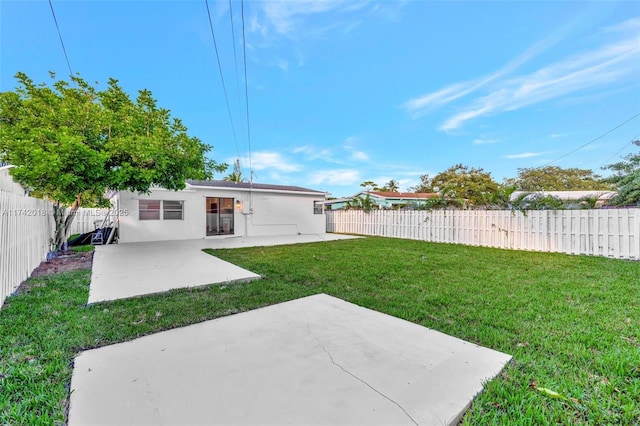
(277, 240)
(128, 270)
(312, 361)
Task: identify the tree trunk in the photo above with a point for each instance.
(64, 223)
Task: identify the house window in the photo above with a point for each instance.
(150, 209)
(317, 207)
(172, 210)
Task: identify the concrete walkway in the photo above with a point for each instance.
(128, 270)
(312, 361)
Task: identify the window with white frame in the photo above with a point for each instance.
(172, 210)
(151, 209)
(317, 207)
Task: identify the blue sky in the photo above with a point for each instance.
(341, 92)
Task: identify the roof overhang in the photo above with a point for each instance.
(244, 189)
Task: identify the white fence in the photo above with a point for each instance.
(26, 229)
(603, 232)
(87, 220)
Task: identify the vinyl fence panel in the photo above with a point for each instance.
(87, 220)
(600, 232)
(26, 228)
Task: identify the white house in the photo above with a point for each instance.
(601, 197)
(211, 209)
(385, 199)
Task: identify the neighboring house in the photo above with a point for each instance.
(385, 200)
(336, 203)
(210, 209)
(569, 197)
(7, 184)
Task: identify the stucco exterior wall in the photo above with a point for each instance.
(259, 213)
(283, 214)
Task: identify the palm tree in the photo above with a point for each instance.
(392, 186)
(236, 174)
(364, 203)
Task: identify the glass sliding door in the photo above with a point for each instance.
(219, 216)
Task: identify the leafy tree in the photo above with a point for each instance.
(391, 186)
(370, 185)
(236, 175)
(361, 202)
(500, 198)
(463, 185)
(436, 203)
(626, 179)
(70, 143)
(425, 185)
(554, 178)
(538, 202)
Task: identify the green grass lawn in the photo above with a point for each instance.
(572, 323)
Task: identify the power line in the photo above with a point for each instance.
(60, 36)
(224, 88)
(235, 55)
(246, 90)
(633, 139)
(591, 141)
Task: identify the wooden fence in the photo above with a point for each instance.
(602, 232)
(26, 229)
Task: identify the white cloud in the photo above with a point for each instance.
(278, 21)
(524, 155)
(335, 177)
(630, 25)
(349, 145)
(313, 153)
(359, 156)
(270, 160)
(426, 103)
(351, 140)
(286, 17)
(613, 62)
(484, 141)
(283, 64)
(256, 27)
(607, 65)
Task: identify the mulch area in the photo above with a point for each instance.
(66, 262)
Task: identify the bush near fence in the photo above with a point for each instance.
(26, 228)
(601, 232)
